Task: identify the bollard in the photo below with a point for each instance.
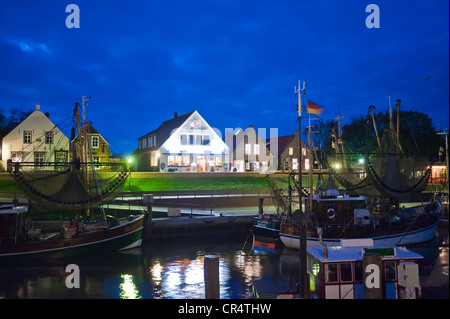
(211, 274)
(148, 200)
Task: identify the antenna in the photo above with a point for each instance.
(84, 104)
(298, 91)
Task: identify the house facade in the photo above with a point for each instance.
(248, 151)
(35, 139)
(98, 147)
(288, 152)
(185, 143)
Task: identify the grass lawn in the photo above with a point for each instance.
(202, 183)
(197, 183)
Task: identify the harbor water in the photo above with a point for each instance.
(173, 269)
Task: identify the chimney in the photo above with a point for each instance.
(175, 115)
(38, 107)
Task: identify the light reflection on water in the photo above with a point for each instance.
(174, 270)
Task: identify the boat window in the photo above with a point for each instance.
(346, 272)
(331, 272)
(390, 272)
(358, 271)
(314, 266)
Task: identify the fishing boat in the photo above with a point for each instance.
(80, 188)
(375, 200)
(19, 243)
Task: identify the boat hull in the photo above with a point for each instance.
(418, 235)
(124, 236)
(266, 228)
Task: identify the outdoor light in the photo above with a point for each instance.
(337, 165)
(130, 160)
(361, 161)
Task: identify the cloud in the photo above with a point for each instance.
(30, 46)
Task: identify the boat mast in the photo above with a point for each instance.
(371, 107)
(303, 270)
(397, 103)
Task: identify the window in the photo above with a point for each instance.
(291, 151)
(331, 273)
(390, 271)
(186, 160)
(16, 156)
(183, 139)
(256, 149)
(248, 149)
(60, 156)
(154, 159)
(170, 160)
(95, 141)
(346, 272)
(191, 139)
(359, 271)
(96, 159)
(198, 140)
(49, 137)
(206, 140)
(218, 161)
(39, 158)
(295, 163)
(26, 137)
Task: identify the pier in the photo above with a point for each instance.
(182, 214)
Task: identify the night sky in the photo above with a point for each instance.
(236, 62)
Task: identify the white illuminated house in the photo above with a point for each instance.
(35, 139)
(184, 143)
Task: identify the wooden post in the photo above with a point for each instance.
(148, 200)
(211, 274)
(373, 288)
(260, 206)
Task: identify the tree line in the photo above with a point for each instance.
(417, 134)
(9, 120)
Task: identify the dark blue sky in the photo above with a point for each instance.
(236, 62)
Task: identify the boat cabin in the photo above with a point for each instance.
(10, 223)
(336, 272)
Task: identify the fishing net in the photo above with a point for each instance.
(68, 186)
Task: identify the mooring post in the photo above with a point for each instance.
(372, 276)
(260, 206)
(148, 200)
(211, 274)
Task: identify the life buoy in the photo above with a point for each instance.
(331, 214)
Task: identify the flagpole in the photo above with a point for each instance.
(303, 270)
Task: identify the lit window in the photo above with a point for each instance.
(256, 149)
(291, 151)
(248, 149)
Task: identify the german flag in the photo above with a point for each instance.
(314, 108)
